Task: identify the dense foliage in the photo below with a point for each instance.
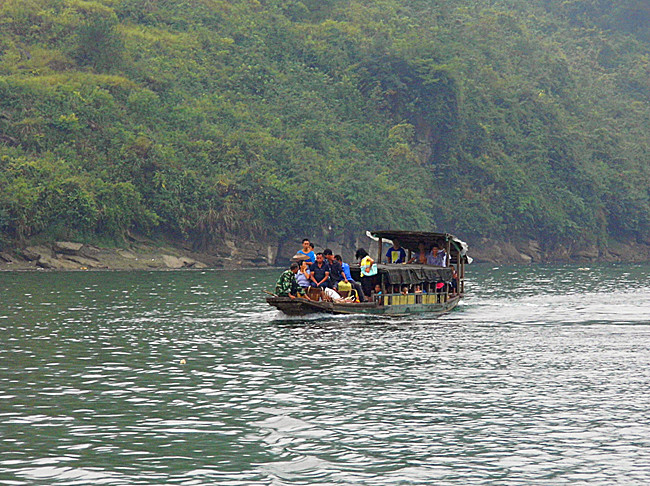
(192, 118)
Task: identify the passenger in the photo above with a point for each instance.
(377, 295)
(453, 285)
(287, 285)
(405, 290)
(368, 270)
(421, 256)
(320, 272)
(418, 289)
(437, 257)
(307, 251)
(346, 270)
(302, 277)
(396, 253)
(336, 270)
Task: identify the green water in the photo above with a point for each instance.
(541, 376)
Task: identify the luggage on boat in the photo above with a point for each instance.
(344, 286)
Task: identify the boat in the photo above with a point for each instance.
(438, 296)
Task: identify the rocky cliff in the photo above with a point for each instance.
(234, 252)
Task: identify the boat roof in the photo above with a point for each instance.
(410, 239)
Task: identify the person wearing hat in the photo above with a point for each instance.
(306, 253)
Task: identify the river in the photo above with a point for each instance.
(541, 376)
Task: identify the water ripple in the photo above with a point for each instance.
(539, 377)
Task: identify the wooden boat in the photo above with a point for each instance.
(434, 299)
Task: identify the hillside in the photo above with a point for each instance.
(185, 121)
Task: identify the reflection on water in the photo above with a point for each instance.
(539, 377)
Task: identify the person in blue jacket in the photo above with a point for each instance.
(348, 276)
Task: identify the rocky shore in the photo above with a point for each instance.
(144, 254)
(531, 251)
(67, 255)
(235, 253)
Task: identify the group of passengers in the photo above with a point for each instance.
(328, 272)
(322, 270)
(425, 288)
(434, 256)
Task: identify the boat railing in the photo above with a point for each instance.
(408, 299)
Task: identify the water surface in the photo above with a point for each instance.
(541, 376)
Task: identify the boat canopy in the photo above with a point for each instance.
(410, 239)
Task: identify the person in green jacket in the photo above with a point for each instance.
(287, 285)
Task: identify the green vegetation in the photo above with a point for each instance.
(192, 118)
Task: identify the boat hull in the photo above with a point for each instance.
(302, 307)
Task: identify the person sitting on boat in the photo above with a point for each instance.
(306, 251)
(329, 283)
(396, 253)
(346, 270)
(437, 257)
(336, 270)
(302, 277)
(320, 272)
(368, 270)
(287, 285)
(421, 256)
(377, 295)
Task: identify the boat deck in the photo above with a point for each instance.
(398, 305)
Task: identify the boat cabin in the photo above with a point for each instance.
(417, 283)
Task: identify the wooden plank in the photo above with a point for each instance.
(461, 277)
(379, 252)
(448, 252)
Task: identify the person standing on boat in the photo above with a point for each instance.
(437, 257)
(307, 250)
(453, 284)
(287, 285)
(396, 253)
(346, 270)
(368, 270)
(421, 256)
(320, 272)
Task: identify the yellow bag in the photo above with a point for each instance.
(344, 286)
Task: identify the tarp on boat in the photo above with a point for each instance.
(414, 274)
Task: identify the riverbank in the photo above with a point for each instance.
(532, 251)
(235, 254)
(77, 256)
